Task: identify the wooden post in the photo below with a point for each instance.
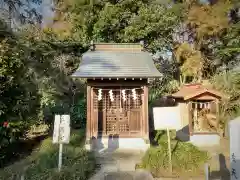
(189, 105)
(142, 122)
(169, 151)
(60, 157)
(206, 170)
(22, 177)
(88, 134)
(195, 117)
(145, 115)
(104, 113)
(94, 114)
(217, 114)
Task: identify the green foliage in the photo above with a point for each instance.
(111, 23)
(209, 20)
(79, 113)
(9, 140)
(36, 64)
(122, 21)
(229, 84)
(42, 164)
(4, 137)
(16, 130)
(18, 93)
(186, 158)
(35, 81)
(227, 48)
(209, 28)
(153, 23)
(190, 60)
(167, 83)
(162, 87)
(35, 76)
(125, 21)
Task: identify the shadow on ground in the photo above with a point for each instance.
(223, 172)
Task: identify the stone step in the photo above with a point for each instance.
(118, 165)
(121, 175)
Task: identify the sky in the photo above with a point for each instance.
(44, 8)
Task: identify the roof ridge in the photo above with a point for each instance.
(117, 46)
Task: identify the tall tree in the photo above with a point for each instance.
(118, 21)
(19, 12)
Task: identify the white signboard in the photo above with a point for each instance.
(61, 133)
(64, 129)
(56, 129)
(167, 118)
(234, 130)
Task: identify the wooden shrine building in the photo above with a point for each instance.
(117, 91)
(199, 111)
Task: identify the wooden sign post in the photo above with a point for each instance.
(169, 150)
(167, 118)
(60, 157)
(206, 167)
(61, 134)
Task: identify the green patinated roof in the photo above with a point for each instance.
(113, 64)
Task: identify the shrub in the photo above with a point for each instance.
(78, 113)
(78, 164)
(228, 83)
(186, 158)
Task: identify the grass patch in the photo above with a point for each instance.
(187, 159)
(78, 164)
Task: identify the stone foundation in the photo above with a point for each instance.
(205, 139)
(118, 143)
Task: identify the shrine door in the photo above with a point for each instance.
(116, 115)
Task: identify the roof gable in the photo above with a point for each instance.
(194, 90)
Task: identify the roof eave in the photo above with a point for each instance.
(185, 98)
(176, 97)
(195, 95)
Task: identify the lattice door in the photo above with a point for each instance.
(119, 116)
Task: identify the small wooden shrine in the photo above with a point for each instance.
(117, 89)
(199, 107)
